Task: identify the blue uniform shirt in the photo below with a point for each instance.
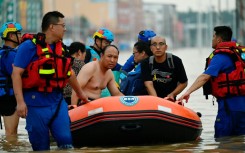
(129, 65)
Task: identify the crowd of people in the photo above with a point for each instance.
(41, 77)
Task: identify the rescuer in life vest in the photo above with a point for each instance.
(224, 79)
(41, 70)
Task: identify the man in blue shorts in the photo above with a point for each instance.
(10, 33)
(41, 70)
(225, 77)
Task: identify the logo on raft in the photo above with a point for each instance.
(129, 100)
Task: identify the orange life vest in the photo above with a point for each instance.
(233, 83)
(51, 70)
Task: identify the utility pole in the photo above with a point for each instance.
(52, 4)
(77, 22)
(14, 10)
(199, 26)
(219, 14)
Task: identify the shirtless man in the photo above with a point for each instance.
(97, 75)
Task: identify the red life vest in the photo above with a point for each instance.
(51, 70)
(233, 83)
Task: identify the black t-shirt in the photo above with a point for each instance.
(165, 79)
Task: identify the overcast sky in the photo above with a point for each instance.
(203, 5)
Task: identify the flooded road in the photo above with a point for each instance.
(194, 61)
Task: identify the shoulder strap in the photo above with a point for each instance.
(66, 50)
(40, 39)
(170, 60)
(88, 47)
(4, 51)
(233, 52)
(151, 62)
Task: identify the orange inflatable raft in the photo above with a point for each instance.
(133, 120)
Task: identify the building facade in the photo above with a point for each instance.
(27, 12)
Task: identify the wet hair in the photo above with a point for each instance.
(103, 50)
(51, 18)
(143, 46)
(75, 47)
(224, 32)
(148, 42)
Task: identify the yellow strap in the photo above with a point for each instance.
(117, 85)
(69, 73)
(44, 49)
(42, 71)
(34, 40)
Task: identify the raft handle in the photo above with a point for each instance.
(130, 127)
(199, 114)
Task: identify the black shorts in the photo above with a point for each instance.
(7, 105)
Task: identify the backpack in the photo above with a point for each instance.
(5, 79)
(169, 59)
(133, 84)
